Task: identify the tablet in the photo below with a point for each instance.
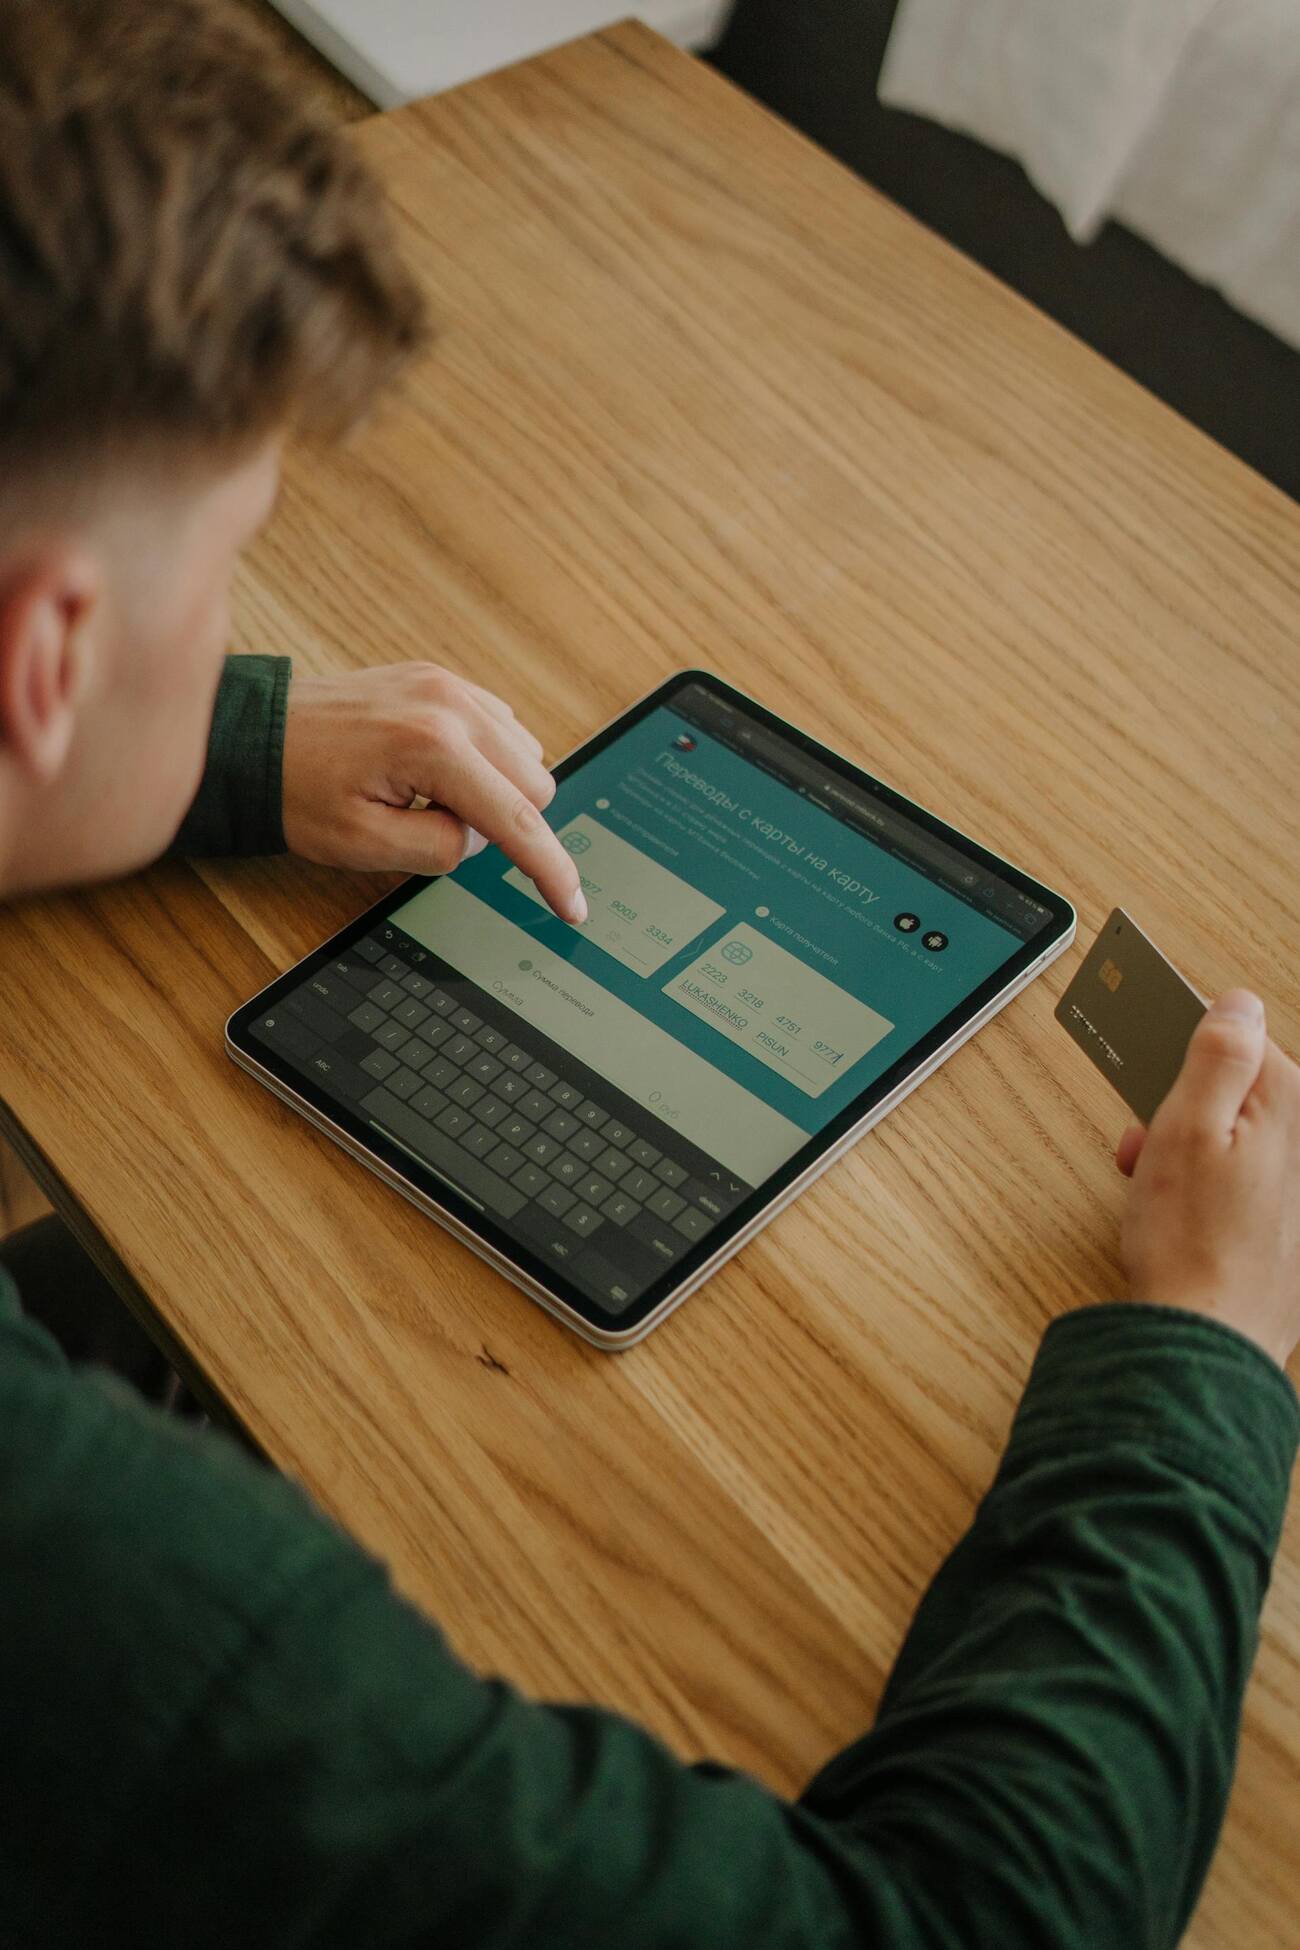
(778, 948)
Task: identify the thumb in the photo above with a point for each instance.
(1223, 1061)
(1129, 1148)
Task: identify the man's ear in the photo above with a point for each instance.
(48, 594)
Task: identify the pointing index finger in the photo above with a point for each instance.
(493, 805)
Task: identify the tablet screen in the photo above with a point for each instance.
(769, 936)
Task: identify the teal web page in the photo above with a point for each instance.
(790, 953)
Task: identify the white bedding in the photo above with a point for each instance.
(1179, 117)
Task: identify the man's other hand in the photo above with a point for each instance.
(359, 749)
(1213, 1222)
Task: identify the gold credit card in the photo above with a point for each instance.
(1132, 1013)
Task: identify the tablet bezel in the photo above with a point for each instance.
(544, 1282)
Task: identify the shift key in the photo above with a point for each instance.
(449, 1159)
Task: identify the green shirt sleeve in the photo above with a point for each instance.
(223, 1727)
(239, 804)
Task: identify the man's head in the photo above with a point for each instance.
(191, 269)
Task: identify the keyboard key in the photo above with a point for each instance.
(386, 996)
(435, 1032)
(516, 1130)
(664, 1246)
(439, 1151)
(392, 966)
(589, 1145)
(559, 1124)
(379, 1064)
(556, 1245)
(441, 1003)
(413, 1052)
(466, 1020)
(638, 1184)
(616, 1133)
(556, 1200)
(411, 1012)
(333, 989)
(671, 1173)
(454, 1121)
(665, 1203)
(583, 1221)
(429, 1102)
(467, 1092)
(717, 1199)
(490, 1111)
(367, 1016)
(459, 1049)
(484, 1067)
(491, 1040)
(692, 1224)
(368, 950)
(511, 1087)
(358, 973)
(620, 1208)
(530, 1178)
(567, 1169)
(391, 1035)
(480, 1141)
(340, 1077)
(442, 1073)
(593, 1188)
(326, 1024)
(612, 1164)
(286, 1034)
(541, 1149)
(505, 1159)
(417, 985)
(607, 1283)
(404, 1083)
(566, 1096)
(642, 1153)
(354, 1045)
(534, 1105)
(515, 1058)
(591, 1114)
(539, 1076)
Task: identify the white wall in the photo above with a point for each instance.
(396, 50)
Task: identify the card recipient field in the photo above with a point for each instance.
(778, 1009)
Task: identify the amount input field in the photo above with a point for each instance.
(778, 1009)
(639, 912)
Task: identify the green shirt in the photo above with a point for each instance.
(219, 1727)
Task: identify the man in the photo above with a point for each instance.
(217, 1724)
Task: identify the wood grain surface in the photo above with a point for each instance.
(700, 397)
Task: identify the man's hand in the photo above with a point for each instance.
(359, 749)
(1213, 1223)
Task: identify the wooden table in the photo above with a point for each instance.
(700, 396)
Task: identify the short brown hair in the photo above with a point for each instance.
(186, 253)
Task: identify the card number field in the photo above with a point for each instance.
(638, 911)
(778, 1009)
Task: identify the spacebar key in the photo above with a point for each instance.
(444, 1154)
